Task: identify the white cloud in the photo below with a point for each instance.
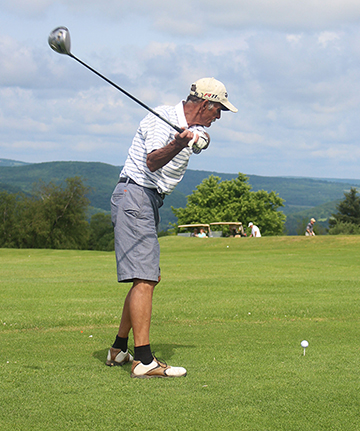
(337, 153)
(198, 16)
(186, 16)
(27, 8)
(294, 38)
(327, 37)
(291, 67)
(17, 65)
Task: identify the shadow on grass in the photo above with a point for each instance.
(164, 352)
(101, 355)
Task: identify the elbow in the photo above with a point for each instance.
(150, 163)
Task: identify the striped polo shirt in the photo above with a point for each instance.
(152, 134)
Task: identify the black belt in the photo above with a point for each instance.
(127, 180)
(130, 181)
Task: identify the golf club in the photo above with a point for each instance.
(59, 41)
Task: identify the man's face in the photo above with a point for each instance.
(208, 116)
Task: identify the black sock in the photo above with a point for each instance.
(143, 354)
(120, 343)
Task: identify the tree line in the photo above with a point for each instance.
(55, 215)
(233, 201)
(347, 219)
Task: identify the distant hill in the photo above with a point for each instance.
(321, 213)
(100, 177)
(299, 193)
(8, 162)
(304, 197)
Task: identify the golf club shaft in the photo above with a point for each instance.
(178, 129)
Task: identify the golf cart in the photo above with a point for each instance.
(236, 228)
(194, 227)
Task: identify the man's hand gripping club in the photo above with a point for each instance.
(159, 158)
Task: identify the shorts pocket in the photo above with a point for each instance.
(117, 196)
(132, 200)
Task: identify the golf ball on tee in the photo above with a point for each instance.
(304, 344)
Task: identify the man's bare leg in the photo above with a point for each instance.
(137, 315)
(137, 312)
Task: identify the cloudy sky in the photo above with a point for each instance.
(292, 67)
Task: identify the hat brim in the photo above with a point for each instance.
(227, 106)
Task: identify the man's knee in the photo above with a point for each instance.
(145, 284)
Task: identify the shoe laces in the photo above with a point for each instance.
(159, 360)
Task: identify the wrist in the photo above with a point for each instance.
(178, 145)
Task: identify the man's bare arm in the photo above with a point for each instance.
(159, 158)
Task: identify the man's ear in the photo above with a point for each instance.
(205, 105)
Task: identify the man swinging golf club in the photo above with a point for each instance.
(156, 163)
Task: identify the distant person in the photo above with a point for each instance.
(255, 231)
(310, 228)
(234, 232)
(202, 234)
(237, 232)
(195, 233)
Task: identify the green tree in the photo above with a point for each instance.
(58, 215)
(8, 219)
(347, 219)
(232, 200)
(343, 228)
(14, 220)
(101, 232)
(53, 217)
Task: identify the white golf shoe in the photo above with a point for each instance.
(118, 357)
(155, 369)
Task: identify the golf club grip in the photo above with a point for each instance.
(178, 129)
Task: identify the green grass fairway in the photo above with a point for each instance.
(232, 311)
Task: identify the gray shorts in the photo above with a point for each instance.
(135, 217)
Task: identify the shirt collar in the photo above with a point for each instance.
(179, 109)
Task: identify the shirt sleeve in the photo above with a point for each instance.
(156, 132)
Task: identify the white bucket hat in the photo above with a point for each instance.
(213, 90)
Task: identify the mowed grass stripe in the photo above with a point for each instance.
(232, 311)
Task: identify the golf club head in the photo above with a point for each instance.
(59, 40)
